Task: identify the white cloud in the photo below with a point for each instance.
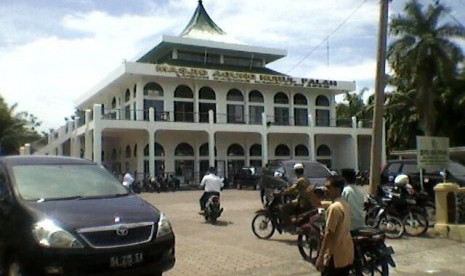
(53, 55)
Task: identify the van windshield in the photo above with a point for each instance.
(456, 169)
(311, 170)
(51, 182)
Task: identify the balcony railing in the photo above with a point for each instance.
(222, 118)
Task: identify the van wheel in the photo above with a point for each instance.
(15, 268)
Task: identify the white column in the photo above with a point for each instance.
(97, 145)
(264, 140)
(88, 138)
(151, 151)
(211, 139)
(76, 145)
(311, 146)
(356, 165)
(140, 101)
(196, 104)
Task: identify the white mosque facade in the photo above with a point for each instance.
(205, 99)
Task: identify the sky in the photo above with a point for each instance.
(54, 51)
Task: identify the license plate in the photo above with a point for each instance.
(126, 260)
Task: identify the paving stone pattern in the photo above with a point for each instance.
(230, 248)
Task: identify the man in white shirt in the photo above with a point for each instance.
(128, 180)
(212, 186)
(355, 197)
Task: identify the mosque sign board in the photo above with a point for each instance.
(234, 76)
(432, 152)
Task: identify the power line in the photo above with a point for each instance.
(437, 2)
(328, 36)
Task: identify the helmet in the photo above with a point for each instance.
(277, 174)
(401, 179)
(298, 166)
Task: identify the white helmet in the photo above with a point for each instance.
(401, 179)
(278, 174)
(298, 166)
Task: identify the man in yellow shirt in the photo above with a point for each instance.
(337, 250)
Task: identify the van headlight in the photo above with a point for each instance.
(48, 234)
(164, 226)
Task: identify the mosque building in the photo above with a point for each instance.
(202, 99)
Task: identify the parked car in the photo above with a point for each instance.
(315, 171)
(455, 172)
(69, 216)
(247, 177)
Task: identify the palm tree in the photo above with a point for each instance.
(423, 54)
(354, 105)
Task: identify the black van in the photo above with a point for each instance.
(69, 216)
(316, 172)
(454, 172)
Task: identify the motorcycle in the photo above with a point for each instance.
(403, 204)
(379, 215)
(371, 255)
(269, 219)
(212, 209)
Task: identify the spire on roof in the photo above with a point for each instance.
(201, 26)
(201, 22)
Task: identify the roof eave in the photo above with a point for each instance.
(170, 42)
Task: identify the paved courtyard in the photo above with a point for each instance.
(230, 248)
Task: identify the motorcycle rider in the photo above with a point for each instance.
(212, 186)
(128, 180)
(302, 202)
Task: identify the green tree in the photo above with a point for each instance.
(16, 128)
(354, 105)
(424, 54)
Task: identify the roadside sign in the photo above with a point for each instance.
(432, 152)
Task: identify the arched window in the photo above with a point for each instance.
(113, 154)
(113, 103)
(235, 150)
(281, 113)
(255, 150)
(206, 93)
(184, 105)
(183, 91)
(234, 108)
(203, 150)
(281, 98)
(322, 101)
(146, 150)
(323, 112)
(159, 150)
(323, 150)
(300, 99)
(255, 96)
(184, 149)
(282, 150)
(235, 95)
(127, 95)
(128, 151)
(153, 89)
(134, 90)
(301, 150)
(135, 150)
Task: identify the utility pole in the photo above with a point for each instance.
(377, 130)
